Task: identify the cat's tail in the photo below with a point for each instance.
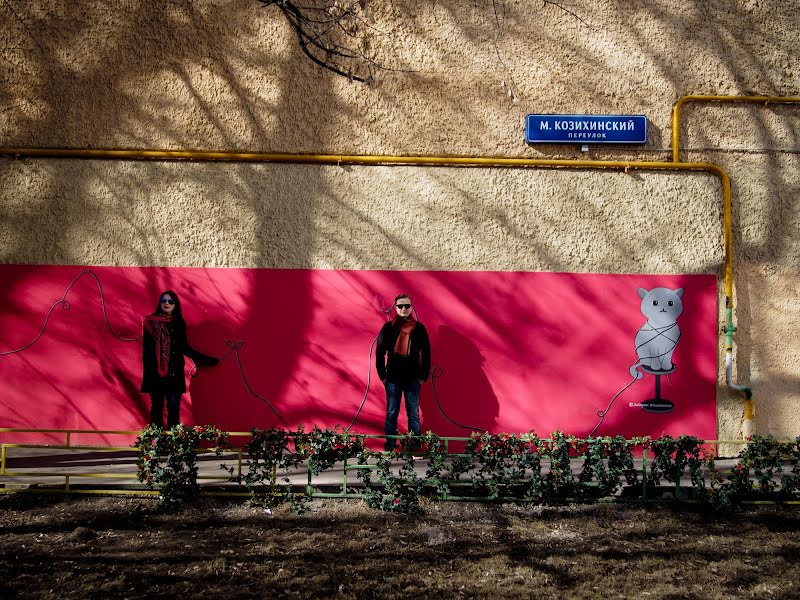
(634, 371)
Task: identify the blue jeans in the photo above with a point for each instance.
(157, 408)
(394, 392)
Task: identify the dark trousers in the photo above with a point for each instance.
(394, 392)
(157, 408)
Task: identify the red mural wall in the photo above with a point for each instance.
(518, 351)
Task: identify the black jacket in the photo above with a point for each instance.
(174, 381)
(403, 369)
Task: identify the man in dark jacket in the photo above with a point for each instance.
(406, 342)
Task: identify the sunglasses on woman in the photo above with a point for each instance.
(167, 301)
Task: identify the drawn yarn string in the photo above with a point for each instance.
(387, 311)
(233, 346)
(660, 331)
(602, 413)
(435, 373)
(369, 383)
(64, 303)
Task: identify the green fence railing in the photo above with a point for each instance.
(480, 468)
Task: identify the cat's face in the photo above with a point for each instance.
(661, 306)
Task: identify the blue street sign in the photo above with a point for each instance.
(586, 129)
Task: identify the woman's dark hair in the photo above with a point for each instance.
(396, 298)
(177, 315)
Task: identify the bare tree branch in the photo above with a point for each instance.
(337, 35)
(513, 90)
(24, 25)
(569, 12)
(334, 34)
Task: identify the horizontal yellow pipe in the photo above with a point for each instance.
(94, 431)
(676, 108)
(65, 447)
(131, 449)
(380, 159)
(341, 159)
(386, 160)
(93, 475)
(70, 474)
(109, 492)
(383, 159)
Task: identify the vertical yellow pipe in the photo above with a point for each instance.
(730, 328)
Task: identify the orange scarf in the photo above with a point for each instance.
(403, 344)
(156, 325)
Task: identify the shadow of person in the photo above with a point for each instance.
(466, 399)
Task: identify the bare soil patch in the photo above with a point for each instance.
(101, 547)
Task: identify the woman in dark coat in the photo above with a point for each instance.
(163, 347)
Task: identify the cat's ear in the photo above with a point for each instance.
(642, 293)
(679, 292)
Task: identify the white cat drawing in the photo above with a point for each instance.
(656, 340)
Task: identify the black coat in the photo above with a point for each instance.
(403, 369)
(174, 381)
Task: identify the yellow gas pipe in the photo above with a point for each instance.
(470, 161)
(377, 159)
(337, 159)
(676, 109)
(748, 425)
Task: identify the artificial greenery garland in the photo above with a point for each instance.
(520, 468)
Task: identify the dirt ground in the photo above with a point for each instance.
(115, 547)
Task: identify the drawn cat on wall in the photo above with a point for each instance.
(658, 337)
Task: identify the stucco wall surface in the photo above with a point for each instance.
(458, 78)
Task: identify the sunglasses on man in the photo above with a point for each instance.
(403, 305)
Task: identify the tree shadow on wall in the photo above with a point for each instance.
(155, 39)
(212, 208)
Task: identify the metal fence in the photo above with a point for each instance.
(81, 468)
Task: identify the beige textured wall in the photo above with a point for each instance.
(227, 75)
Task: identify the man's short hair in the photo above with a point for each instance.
(396, 298)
